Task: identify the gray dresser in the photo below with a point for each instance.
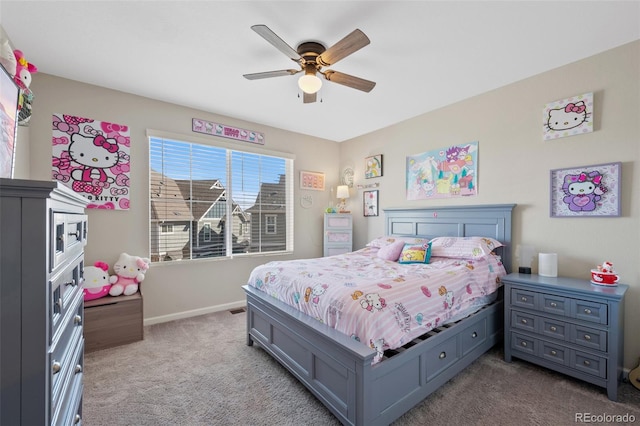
(338, 235)
(43, 231)
(568, 325)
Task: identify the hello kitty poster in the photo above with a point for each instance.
(444, 173)
(92, 158)
(568, 117)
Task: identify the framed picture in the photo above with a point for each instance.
(370, 203)
(312, 180)
(9, 98)
(373, 166)
(586, 191)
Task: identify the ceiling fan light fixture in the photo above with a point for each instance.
(309, 83)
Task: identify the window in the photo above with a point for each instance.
(211, 201)
(270, 222)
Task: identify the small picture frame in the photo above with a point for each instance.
(373, 166)
(312, 180)
(586, 191)
(370, 203)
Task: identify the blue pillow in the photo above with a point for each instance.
(415, 253)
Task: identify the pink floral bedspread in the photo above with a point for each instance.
(380, 303)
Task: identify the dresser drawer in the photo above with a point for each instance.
(556, 305)
(523, 343)
(554, 328)
(64, 289)
(589, 363)
(441, 357)
(523, 321)
(589, 337)
(67, 406)
(554, 352)
(590, 311)
(63, 359)
(523, 298)
(68, 237)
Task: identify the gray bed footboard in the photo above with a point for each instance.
(338, 370)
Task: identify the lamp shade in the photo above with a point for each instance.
(309, 83)
(342, 191)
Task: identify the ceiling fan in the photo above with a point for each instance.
(312, 56)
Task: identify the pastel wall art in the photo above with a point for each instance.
(449, 172)
(568, 117)
(92, 158)
(586, 191)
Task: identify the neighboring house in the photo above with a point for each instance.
(268, 218)
(190, 218)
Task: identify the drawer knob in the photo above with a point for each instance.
(587, 311)
(554, 353)
(553, 304)
(56, 367)
(474, 335)
(71, 283)
(59, 303)
(78, 369)
(524, 299)
(523, 343)
(523, 320)
(442, 355)
(77, 419)
(75, 234)
(553, 328)
(587, 337)
(586, 362)
(77, 319)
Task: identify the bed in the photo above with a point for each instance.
(355, 381)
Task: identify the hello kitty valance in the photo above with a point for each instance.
(92, 158)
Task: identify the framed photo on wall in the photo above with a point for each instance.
(312, 180)
(373, 166)
(370, 203)
(586, 191)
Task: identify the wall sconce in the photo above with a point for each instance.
(309, 82)
(342, 193)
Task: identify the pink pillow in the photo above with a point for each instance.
(392, 251)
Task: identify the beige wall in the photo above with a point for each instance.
(514, 164)
(190, 287)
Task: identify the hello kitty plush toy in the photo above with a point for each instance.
(24, 69)
(95, 281)
(130, 272)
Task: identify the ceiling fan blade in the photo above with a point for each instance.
(349, 80)
(269, 74)
(356, 40)
(309, 98)
(276, 41)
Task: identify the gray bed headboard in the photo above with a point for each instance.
(462, 221)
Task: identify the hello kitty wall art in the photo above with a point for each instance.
(568, 117)
(92, 158)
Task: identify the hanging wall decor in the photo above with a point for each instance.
(586, 191)
(373, 166)
(92, 158)
(312, 180)
(568, 117)
(370, 203)
(444, 173)
(224, 131)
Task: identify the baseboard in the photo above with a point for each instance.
(194, 312)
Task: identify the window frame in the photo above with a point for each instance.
(230, 147)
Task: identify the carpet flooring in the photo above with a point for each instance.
(199, 372)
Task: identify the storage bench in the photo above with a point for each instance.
(112, 321)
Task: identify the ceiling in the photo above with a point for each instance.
(423, 54)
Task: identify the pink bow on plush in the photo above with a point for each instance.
(574, 108)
